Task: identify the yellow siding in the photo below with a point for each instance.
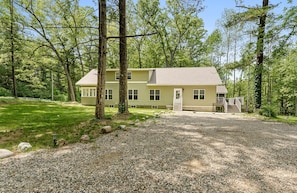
(136, 75)
(88, 100)
(140, 76)
(110, 75)
(139, 82)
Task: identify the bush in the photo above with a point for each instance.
(268, 111)
(4, 92)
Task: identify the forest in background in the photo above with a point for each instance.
(48, 45)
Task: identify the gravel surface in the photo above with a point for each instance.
(181, 152)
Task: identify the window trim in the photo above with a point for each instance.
(129, 75)
(89, 92)
(197, 95)
(132, 95)
(154, 96)
(108, 94)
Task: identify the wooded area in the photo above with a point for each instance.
(48, 45)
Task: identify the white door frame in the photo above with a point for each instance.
(178, 99)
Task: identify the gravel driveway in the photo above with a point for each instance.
(181, 152)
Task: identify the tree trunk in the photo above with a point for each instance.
(100, 99)
(260, 57)
(296, 105)
(14, 87)
(71, 93)
(123, 103)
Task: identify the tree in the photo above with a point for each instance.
(177, 27)
(102, 29)
(8, 47)
(123, 103)
(260, 55)
(12, 32)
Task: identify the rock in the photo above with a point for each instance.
(157, 115)
(5, 153)
(24, 146)
(84, 138)
(106, 129)
(61, 142)
(122, 127)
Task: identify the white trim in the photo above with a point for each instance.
(199, 94)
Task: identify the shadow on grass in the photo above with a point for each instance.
(36, 122)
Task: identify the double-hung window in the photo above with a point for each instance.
(154, 95)
(199, 94)
(133, 94)
(108, 94)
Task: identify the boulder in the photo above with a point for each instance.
(24, 146)
(5, 153)
(61, 142)
(106, 129)
(122, 127)
(84, 138)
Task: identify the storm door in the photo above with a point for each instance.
(178, 99)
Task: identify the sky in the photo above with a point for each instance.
(214, 9)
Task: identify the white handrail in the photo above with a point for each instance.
(238, 104)
(225, 105)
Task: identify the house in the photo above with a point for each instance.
(193, 88)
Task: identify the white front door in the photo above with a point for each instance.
(178, 99)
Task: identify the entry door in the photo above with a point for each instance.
(178, 99)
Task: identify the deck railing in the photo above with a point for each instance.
(238, 104)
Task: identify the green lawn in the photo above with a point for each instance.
(36, 121)
(286, 119)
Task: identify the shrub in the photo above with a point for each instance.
(268, 111)
(4, 92)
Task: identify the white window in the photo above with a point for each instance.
(108, 94)
(129, 75)
(89, 92)
(85, 92)
(133, 94)
(92, 92)
(199, 94)
(154, 95)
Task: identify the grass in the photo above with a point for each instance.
(292, 120)
(286, 119)
(36, 122)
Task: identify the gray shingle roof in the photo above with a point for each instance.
(89, 79)
(169, 76)
(185, 76)
(222, 90)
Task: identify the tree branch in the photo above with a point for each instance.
(132, 36)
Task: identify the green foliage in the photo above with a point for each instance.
(4, 92)
(268, 111)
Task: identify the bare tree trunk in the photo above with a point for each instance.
(234, 70)
(296, 105)
(14, 87)
(227, 54)
(260, 57)
(123, 102)
(100, 99)
(71, 93)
